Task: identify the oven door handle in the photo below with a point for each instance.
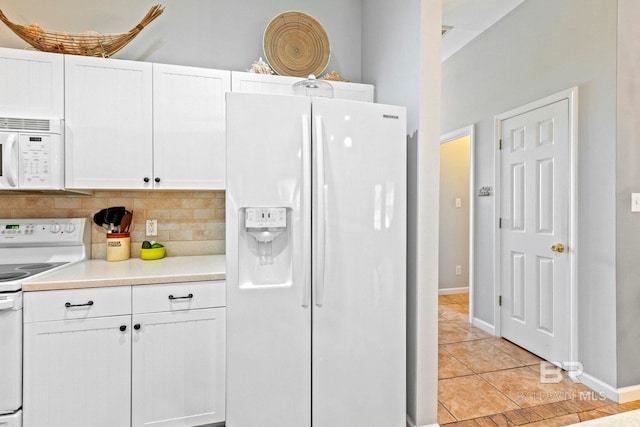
(7, 304)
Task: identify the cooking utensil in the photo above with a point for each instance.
(113, 217)
(98, 219)
(110, 218)
(126, 221)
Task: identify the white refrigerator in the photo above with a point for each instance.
(316, 262)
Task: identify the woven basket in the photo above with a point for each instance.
(90, 43)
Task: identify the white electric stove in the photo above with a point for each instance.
(28, 248)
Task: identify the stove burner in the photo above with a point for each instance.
(34, 266)
(4, 277)
(9, 272)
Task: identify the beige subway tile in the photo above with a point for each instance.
(157, 214)
(158, 203)
(212, 194)
(38, 202)
(93, 203)
(119, 201)
(98, 251)
(180, 235)
(213, 234)
(163, 236)
(181, 214)
(198, 203)
(7, 201)
(107, 194)
(220, 214)
(67, 202)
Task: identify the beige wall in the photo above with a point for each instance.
(189, 222)
(454, 221)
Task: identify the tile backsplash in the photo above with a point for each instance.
(189, 222)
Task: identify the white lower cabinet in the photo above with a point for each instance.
(178, 376)
(160, 363)
(77, 372)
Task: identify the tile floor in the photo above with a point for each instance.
(488, 381)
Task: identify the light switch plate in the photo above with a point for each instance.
(635, 202)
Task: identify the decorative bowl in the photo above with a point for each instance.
(153, 253)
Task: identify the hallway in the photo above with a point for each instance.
(488, 381)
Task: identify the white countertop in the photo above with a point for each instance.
(135, 271)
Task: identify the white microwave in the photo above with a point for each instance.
(31, 154)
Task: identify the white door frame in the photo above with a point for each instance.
(457, 134)
(572, 96)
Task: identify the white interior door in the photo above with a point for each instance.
(535, 226)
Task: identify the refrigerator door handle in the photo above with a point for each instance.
(321, 214)
(306, 211)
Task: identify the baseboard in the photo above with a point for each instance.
(629, 394)
(410, 423)
(451, 291)
(600, 387)
(481, 324)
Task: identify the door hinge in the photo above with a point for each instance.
(500, 145)
(500, 300)
(499, 222)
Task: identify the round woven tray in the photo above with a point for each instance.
(295, 44)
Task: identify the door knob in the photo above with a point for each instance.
(558, 248)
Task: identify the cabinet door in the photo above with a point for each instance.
(283, 85)
(178, 368)
(31, 84)
(189, 127)
(77, 373)
(262, 83)
(108, 133)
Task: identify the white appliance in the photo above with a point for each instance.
(29, 247)
(31, 154)
(316, 270)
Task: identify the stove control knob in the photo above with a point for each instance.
(69, 228)
(55, 228)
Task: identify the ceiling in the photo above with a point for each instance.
(468, 19)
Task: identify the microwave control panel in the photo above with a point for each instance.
(36, 159)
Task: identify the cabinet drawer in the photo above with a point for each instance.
(76, 304)
(178, 296)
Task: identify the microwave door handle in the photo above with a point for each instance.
(12, 161)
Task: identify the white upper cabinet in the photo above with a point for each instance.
(108, 109)
(31, 84)
(137, 125)
(189, 127)
(283, 85)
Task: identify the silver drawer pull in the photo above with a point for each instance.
(171, 297)
(79, 305)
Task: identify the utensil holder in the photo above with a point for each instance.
(118, 246)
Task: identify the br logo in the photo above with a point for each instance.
(551, 373)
